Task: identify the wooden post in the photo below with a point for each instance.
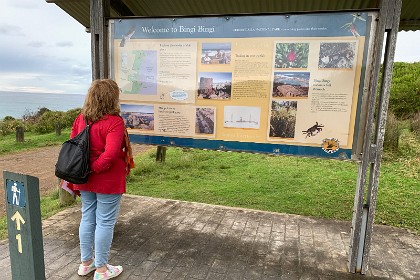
(160, 153)
(99, 10)
(365, 200)
(57, 129)
(20, 134)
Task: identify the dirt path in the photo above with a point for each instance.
(38, 163)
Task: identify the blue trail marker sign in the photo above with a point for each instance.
(24, 226)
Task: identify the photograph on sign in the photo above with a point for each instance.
(204, 121)
(274, 81)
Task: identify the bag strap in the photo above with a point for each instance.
(86, 121)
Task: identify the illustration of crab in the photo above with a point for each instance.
(313, 130)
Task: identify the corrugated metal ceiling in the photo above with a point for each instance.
(79, 9)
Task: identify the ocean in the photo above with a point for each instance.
(16, 104)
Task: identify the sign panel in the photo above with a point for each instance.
(273, 84)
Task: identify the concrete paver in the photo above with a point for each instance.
(167, 239)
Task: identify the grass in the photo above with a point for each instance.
(304, 186)
(50, 205)
(280, 184)
(32, 140)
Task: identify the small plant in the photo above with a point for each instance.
(415, 124)
(392, 133)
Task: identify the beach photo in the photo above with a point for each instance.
(283, 119)
(138, 116)
(291, 55)
(291, 84)
(214, 85)
(204, 120)
(216, 53)
(337, 55)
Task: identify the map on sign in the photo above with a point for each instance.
(141, 73)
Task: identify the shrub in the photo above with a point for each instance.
(69, 117)
(30, 117)
(8, 118)
(392, 132)
(9, 126)
(48, 120)
(404, 100)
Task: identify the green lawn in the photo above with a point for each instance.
(305, 186)
(280, 184)
(32, 140)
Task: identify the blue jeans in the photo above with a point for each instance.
(99, 215)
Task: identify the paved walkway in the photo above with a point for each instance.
(167, 239)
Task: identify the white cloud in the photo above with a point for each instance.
(36, 44)
(64, 44)
(40, 40)
(407, 49)
(11, 30)
(25, 4)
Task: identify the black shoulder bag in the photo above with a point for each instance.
(73, 160)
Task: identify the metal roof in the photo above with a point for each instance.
(79, 9)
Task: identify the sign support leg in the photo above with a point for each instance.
(365, 200)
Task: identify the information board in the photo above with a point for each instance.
(281, 84)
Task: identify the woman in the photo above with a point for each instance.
(101, 195)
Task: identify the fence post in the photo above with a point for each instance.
(19, 134)
(160, 153)
(57, 129)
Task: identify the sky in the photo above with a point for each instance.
(44, 50)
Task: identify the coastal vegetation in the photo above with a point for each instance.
(40, 122)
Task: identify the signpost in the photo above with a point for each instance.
(24, 226)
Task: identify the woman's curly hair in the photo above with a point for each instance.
(102, 99)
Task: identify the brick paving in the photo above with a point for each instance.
(167, 239)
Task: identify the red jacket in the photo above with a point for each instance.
(106, 155)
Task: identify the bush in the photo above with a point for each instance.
(404, 100)
(32, 117)
(392, 132)
(69, 117)
(48, 120)
(8, 126)
(8, 118)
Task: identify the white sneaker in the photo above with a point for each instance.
(86, 269)
(113, 271)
